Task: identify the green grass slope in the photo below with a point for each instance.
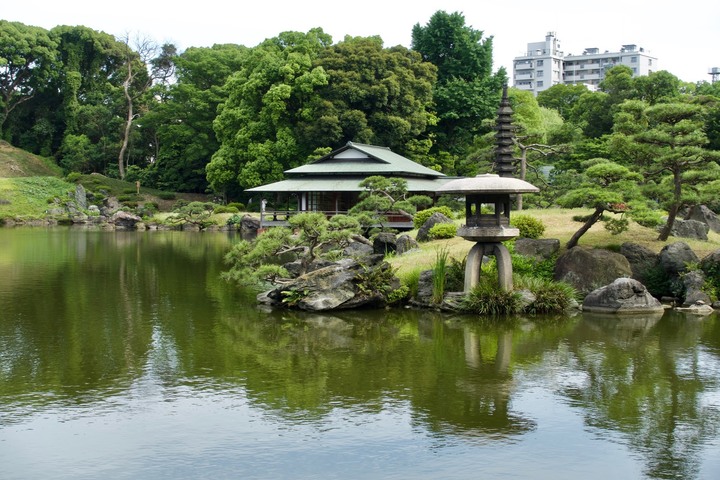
(15, 162)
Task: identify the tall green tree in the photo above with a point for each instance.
(374, 95)
(28, 61)
(467, 92)
(88, 119)
(657, 86)
(604, 187)
(182, 124)
(668, 140)
(561, 97)
(265, 100)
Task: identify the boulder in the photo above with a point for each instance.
(435, 218)
(711, 262)
(317, 264)
(588, 269)
(693, 283)
(124, 220)
(622, 296)
(385, 243)
(81, 196)
(703, 214)
(540, 249)
(689, 229)
(405, 243)
(330, 288)
(358, 250)
(425, 289)
(675, 257)
(698, 308)
(249, 226)
(642, 260)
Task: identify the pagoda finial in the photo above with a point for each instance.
(504, 162)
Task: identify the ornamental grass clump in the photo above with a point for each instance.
(550, 296)
(487, 298)
(439, 272)
(411, 280)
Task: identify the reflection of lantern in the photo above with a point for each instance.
(487, 221)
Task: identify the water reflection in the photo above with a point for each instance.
(109, 324)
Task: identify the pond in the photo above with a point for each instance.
(123, 355)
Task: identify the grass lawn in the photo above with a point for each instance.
(28, 197)
(558, 224)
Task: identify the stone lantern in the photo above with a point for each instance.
(487, 204)
(487, 221)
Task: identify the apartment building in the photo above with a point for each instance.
(545, 65)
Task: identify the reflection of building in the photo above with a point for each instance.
(544, 65)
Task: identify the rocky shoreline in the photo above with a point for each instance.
(630, 281)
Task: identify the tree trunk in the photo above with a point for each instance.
(596, 215)
(523, 173)
(674, 208)
(665, 232)
(128, 125)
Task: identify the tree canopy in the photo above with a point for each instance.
(219, 120)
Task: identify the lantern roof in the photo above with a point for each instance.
(487, 183)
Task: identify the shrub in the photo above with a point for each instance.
(439, 275)
(530, 227)
(234, 220)
(531, 267)
(225, 209)
(455, 278)
(166, 196)
(442, 230)
(240, 206)
(657, 281)
(147, 209)
(128, 197)
(712, 277)
(180, 204)
(550, 296)
(411, 280)
(398, 295)
(486, 298)
(72, 177)
(421, 217)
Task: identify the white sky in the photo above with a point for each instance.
(684, 37)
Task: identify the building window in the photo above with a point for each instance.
(633, 59)
(539, 83)
(540, 73)
(540, 63)
(650, 62)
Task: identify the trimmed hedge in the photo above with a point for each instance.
(421, 217)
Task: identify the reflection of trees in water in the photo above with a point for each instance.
(647, 380)
(117, 308)
(80, 324)
(455, 376)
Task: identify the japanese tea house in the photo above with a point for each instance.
(331, 183)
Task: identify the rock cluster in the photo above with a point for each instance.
(626, 282)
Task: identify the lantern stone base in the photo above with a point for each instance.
(487, 234)
(474, 264)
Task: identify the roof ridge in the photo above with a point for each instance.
(354, 144)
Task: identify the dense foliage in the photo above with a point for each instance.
(222, 119)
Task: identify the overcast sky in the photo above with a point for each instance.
(683, 37)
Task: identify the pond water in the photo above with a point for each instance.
(123, 355)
